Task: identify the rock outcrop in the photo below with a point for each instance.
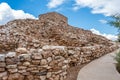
(46, 48)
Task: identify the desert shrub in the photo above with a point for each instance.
(117, 58)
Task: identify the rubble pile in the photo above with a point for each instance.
(46, 48)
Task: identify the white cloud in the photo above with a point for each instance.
(76, 8)
(106, 7)
(8, 14)
(102, 21)
(55, 3)
(108, 36)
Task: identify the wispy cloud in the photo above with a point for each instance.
(102, 21)
(8, 14)
(55, 3)
(106, 7)
(75, 8)
(108, 36)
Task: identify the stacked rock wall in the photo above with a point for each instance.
(48, 63)
(45, 49)
(57, 19)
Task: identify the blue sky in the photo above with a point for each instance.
(87, 14)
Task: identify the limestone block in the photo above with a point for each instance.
(53, 63)
(47, 47)
(2, 74)
(22, 67)
(2, 57)
(22, 71)
(35, 62)
(11, 66)
(64, 67)
(12, 60)
(56, 52)
(13, 70)
(2, 69)
(29, 77)
(49, 59)
(21, 50)
(5, 77)
(36, 56)
(49, 74)
(25, 73)
(43, 62)
(15, 76)
(40, 50)
(59, 58)
(24, 57)
(43, 77)
(26, 63)
(2, 64)
(56, 77)
(46, 54)
(66, 61)
(71, 52)
(11, 54)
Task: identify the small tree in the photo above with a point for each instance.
(116, 23)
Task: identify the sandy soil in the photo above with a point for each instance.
(73, 72)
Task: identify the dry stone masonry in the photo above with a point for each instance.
(46, 48)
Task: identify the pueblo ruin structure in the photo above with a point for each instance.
(46, 48)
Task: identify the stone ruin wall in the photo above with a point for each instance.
(47, 63)
(57, 19)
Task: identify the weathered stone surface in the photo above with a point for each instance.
(47, 47)
(43, 62)
(24, 57)
(44, 49)
(35, 62)
(22, 71)
(12, 60)
(2, 74)
(43, 77)
(49, 59)
(21, 50)
(66, 61)
(53, 63)
(37, 55)
(56, 77)
(2, 69)
(22, 67)
(2, 64)
(49, 74)
(11, 66)
(14, 70)
(2, 57)
(30, 77)
(47, 54)
(25, 73)
(4, 77)
(15, 76)
(11, 54)
(26, 63)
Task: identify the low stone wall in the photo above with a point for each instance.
(48, 63)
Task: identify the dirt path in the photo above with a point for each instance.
(73, 72)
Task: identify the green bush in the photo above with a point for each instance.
(117, 58)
